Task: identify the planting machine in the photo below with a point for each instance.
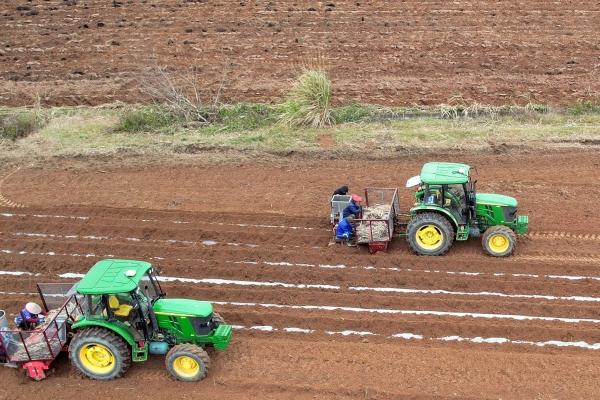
(117, 314)
(448, 208)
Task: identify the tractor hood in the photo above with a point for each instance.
(187, 307)
(496, 200)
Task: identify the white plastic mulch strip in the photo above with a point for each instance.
(424, 271)
(413, 336)
(454, 314)
(128, 239)
(214, 281)
(219, 281)
(454, 293)
(10, 215)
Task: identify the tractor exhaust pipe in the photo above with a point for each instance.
(3, 320)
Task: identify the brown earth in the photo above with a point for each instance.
(388, 52)
(267, 223)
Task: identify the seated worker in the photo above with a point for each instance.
(344, 231)
(29, 317)
(342, 190)
(353, 208)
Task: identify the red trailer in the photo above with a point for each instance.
(380, 212)
(36, 349)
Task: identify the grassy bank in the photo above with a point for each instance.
(80, 131)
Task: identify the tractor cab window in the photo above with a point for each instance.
(109, 306)
(432, 194)
(149, 287)
(96, 306)
(120, 305)
(454, 196)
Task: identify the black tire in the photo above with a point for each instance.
(507, 241)
(440, 225)
(81, 352)
(176, 366)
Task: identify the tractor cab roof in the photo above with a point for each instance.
(444, 173)
(113, 276)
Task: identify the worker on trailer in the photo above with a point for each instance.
(342, 190)
(344, 231)
(353, 208)
(29, 317)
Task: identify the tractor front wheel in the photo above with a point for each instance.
(99, 354)
(499, 241)
(430, 234)
(187, 362)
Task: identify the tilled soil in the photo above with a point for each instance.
(314, 320)
(387, 52)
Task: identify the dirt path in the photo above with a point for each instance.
(319, 321)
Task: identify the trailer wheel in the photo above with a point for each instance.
(499, 241)
(99, 354)
(430, 234)
(187, 362)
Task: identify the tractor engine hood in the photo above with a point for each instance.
(183, 307)
(495, 200)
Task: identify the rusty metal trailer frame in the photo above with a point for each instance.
(390, 222)
(50, 339)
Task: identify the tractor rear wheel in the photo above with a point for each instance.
(499, 241)
(187, 362)
(430, 234)
(99, 354)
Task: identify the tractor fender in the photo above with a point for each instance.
(443, 211)
(122, 331)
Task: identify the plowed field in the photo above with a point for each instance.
(319, 321)
(389, 52)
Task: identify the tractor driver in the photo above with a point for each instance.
(353, 208)
(29, 317)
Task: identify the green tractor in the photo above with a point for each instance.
(448, 208)
(125, 317)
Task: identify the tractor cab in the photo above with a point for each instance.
(447, 208)
(447, 186)
(122, 293)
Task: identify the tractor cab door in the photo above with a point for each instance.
(146, 294)
(456, 200)
(471, 199)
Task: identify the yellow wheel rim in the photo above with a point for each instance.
(97, 358)
(430, 237)
(186, 366)
(498, 243)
